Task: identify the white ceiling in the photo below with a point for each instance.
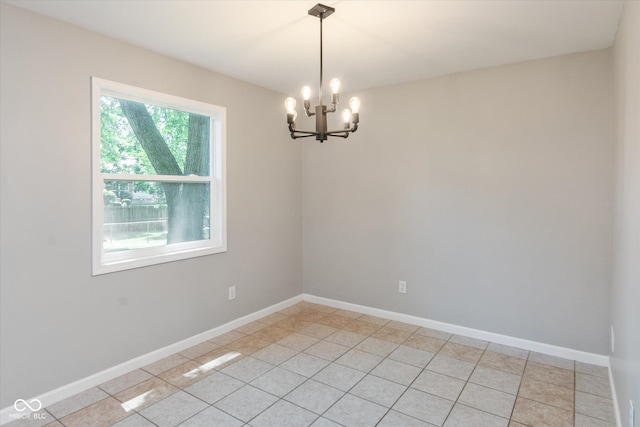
(275, 44)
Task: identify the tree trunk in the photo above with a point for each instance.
(191, 205)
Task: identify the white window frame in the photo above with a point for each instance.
(217, 243)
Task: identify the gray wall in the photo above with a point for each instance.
(625, 295)
(60, 324)
(489, 192)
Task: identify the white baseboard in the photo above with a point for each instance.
(81, 385)
(552, 350)
(61, 393)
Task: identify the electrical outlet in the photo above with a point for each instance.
(613, 341)
(232, 293)
(632, 414)
(402, 287)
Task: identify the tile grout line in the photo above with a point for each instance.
(524, 369)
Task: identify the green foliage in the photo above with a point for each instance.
(121, 152)
(109, 197)
(174, 128)
(125, 189)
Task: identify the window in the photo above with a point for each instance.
(159, 190)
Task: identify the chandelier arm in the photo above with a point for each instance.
(306, 132)
(343, 131)
(294, 136)
(338, 133)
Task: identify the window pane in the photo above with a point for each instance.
(145, 139)
(142, 214)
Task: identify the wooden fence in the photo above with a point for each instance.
(133, 221)
(134, 213)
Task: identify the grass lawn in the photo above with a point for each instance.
(134, 240)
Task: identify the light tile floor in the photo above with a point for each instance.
(315, 365)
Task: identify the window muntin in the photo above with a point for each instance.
(159, 177)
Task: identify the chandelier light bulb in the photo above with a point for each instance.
(306, 93)
(354, 103)
(290, 105)
(335, 86)
(346, 115)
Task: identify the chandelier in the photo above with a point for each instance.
(350, 116)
